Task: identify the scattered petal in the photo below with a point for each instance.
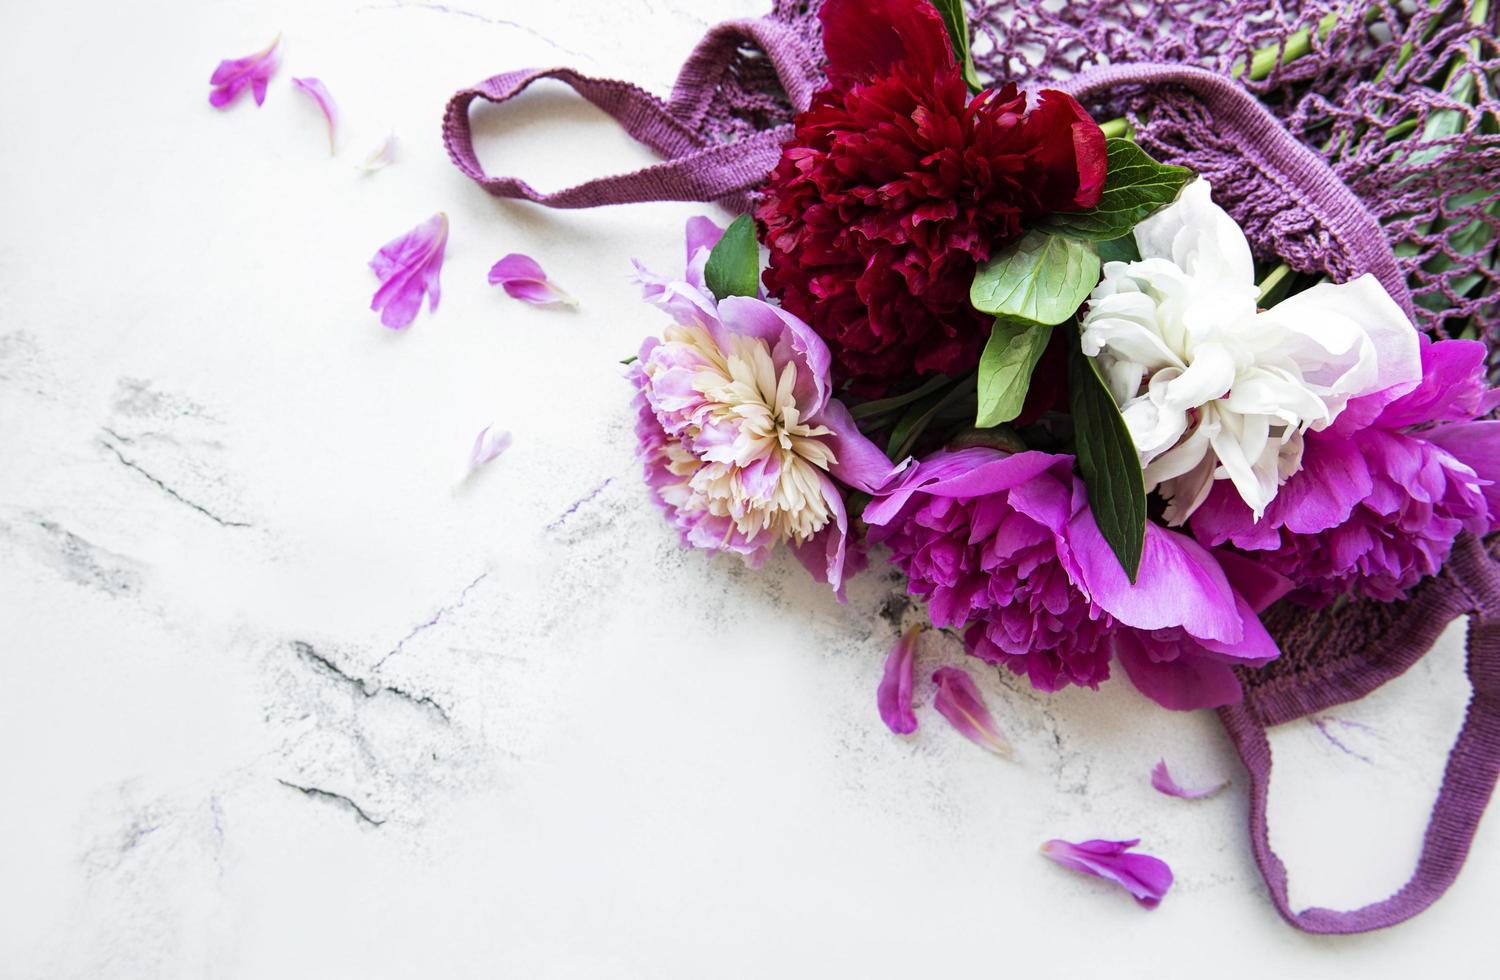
(523, 279)
(381, 157)
(409, 267)
(234, 75)
(959, 701)
(894, 694)
(1162, 780)
(318, 92)
(490, 442)
(1145, 877)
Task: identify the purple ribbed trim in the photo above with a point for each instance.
(1470, 584)
(1266, 145)
(697, 168)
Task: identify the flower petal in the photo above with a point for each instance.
(314, 89)
(381, 157)
(522, 278)
(1162, 782)
(490, 442)
(1476, 445)
(1146, 878)
(234, 75)
(1186, 683)
(959, 701)
(410, 267)
(893, 696)
(866, 38)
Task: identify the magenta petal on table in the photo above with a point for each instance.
(381, 157)
(1162, 781)
(523, 279)
(409, 268)
(1146, 878)
(893, 697)
(234, 75)
(318, 92)
(959, 701)
(490, 442)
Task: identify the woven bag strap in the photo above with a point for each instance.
(697, 168)
(1470, 586)
(1267, 145)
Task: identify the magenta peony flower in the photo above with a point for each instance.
(1383, 492)
(741, 439)
(895, 187)
(1006, 545)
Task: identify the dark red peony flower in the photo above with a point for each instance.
(895, 187)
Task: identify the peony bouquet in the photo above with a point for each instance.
(1044, 372)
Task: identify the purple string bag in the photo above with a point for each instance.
(1375, 150)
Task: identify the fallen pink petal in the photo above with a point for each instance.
(1162, 781)
(234, 75)
(314, 89)
(409, 268)
(381, 157)
(893, 696)
(1146, 878)
(490, 442)
(959, 701)
(523, 278)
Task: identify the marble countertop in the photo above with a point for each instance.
(285, 694)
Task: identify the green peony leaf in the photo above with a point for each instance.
(1005, 370)
(1043, 278)
(733, 267)
(958, 33)
(1134, 186)
(1107, 460)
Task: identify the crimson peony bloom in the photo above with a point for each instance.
(896, 186)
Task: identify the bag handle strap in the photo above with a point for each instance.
(1471, 585)
(696, 168)
(1267, 145)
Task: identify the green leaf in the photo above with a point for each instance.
(870, 409)
(1005, 370)
(1122, 249)
(733, 267)
(1043, 278)
(630, 360)
(1134, 186)
(958, 33)
(911, 426)
(1108, 461)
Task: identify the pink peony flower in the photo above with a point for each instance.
(743, 444)
(234, 75)
(1383, 492)
(895, 187)
(1006, 545)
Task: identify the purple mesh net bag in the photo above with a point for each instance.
(1343, 137)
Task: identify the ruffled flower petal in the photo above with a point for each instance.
(893, 696)
(522, 278)
(960, 702)
(864, 39)
(1162, 782)
(1173, 678)
(314, 89)
(235, 75)
(1146, 878)
(490, 442)
(410, 267)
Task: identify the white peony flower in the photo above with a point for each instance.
(1213, 389)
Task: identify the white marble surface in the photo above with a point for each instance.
(282, 694)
